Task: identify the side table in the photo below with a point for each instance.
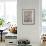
(1, 34)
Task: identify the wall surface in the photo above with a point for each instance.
(31, 32)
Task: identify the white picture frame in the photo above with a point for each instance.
(28, 16)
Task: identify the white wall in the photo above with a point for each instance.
(31, 32)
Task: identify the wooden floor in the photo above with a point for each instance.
(2, 43)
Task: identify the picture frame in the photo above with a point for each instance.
(28, 16)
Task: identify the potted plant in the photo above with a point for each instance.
(1, 22)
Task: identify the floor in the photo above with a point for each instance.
(2, 43)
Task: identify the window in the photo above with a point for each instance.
(8, 10)
(11, 11)
(43, 16)
(44, 10)
(1, 9)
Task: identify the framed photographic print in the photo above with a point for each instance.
(28, 16)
